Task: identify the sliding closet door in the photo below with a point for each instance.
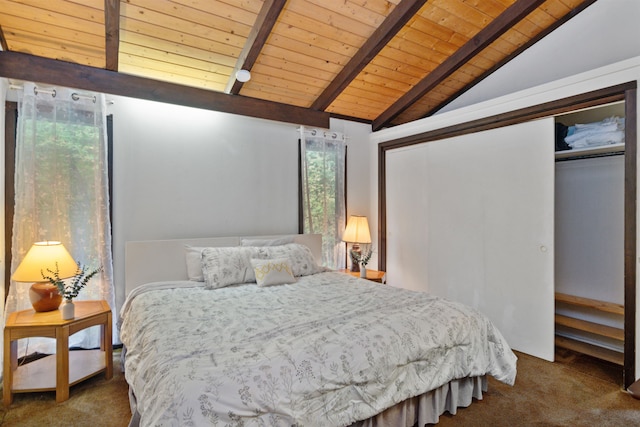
(470, 218)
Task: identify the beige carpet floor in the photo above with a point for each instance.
(95, 402)
(575, 391)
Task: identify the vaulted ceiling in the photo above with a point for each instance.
(381, 61)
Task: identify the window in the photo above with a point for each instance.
(323, 191)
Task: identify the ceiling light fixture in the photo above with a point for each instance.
(243, 76)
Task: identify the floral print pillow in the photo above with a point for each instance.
(228, 266)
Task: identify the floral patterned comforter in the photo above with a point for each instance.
(327, 350)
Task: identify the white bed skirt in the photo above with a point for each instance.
(427, 408)
(417, 411)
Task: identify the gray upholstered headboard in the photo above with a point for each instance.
(160, 260)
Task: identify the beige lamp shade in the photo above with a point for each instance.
(43, 256)
(357, 230)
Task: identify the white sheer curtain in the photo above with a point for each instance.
(61, 186)
(323, 160)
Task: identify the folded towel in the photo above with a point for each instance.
(597, 139)
(607, 131)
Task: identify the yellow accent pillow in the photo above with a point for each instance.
(272, 271)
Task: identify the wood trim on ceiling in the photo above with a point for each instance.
(258, 35)
(27, 67)
(3, 41)
(112, 33)
(396, 20)
(496, 28)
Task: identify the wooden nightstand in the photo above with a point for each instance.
(53, 372)
(373, 275)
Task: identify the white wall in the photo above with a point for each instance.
(604, 33)
(358, 158)
(589, 228)
(185, 172)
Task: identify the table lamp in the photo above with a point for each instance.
(44, 295)
(357, 232)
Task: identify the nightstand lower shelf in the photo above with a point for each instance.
(40, 375)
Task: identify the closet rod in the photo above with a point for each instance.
(590, 156)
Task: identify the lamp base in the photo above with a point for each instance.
(355, 258)
(44, 297)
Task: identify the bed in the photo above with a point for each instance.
(261, 335)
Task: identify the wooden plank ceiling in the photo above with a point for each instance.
(381, 61)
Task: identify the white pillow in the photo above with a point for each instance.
(302, 261)
(266, 242)
(193, 256)
(227, 266)
(272, 271)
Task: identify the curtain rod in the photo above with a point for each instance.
(327, 134)
(75, 96)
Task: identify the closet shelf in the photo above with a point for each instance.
(591, 327)
(608, 307)
(597, 329)
(601, 353)
(591, 151)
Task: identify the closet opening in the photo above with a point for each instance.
(589, 232)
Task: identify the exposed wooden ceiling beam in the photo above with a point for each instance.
(26, 67)
(112, 33)
(475, 45)
(257, 38)
(400, 15)
(582, 6)
(3, 41)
